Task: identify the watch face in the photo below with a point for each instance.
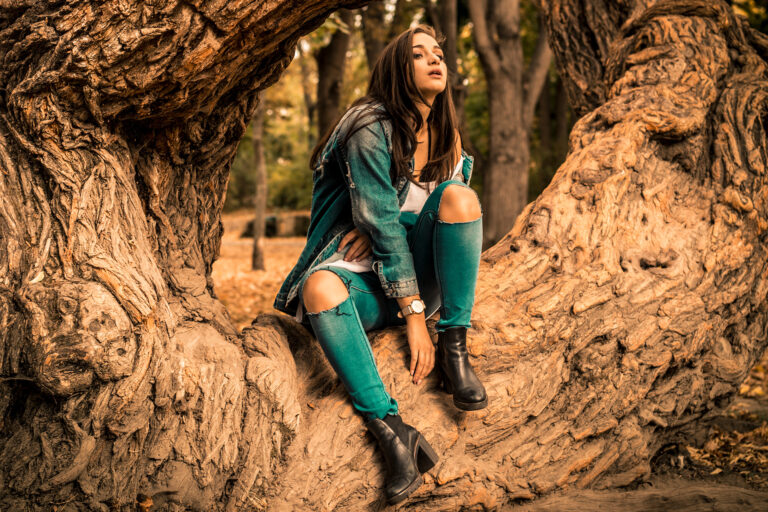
(417, 306)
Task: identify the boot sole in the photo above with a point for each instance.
(446, 385)
(470, 406)
(426, 458)
(402, 495)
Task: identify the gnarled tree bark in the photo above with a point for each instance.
(122, 373)
(626, 304)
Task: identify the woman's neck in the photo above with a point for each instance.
(424, 111)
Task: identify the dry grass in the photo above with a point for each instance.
(738, 443)
(246, 292)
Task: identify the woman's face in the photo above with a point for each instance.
(429, 70)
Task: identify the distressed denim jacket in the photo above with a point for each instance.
(352, 188)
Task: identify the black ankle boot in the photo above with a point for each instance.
(458, 376)
(406, 453)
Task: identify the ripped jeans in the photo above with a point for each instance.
(446, 260)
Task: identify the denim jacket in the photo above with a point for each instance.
(352, 188)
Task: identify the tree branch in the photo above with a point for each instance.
(374, 31)
(536, 73)
(483, 44)
(404, 14)
(433, 16)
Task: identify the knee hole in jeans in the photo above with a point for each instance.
(459, 204)
(322, 291)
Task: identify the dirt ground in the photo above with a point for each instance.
(246, 292)
(734, 452)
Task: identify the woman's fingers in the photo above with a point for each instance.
(348, 238)
(422, 349)
(417, 370)
(354, 250)
(350, 252)
(367, 250)
(425, 364)
(359, 249)
(420, 368)
(363, 248)
(430, 363)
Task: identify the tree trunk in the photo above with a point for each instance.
(120, 372)
(449, 26)
(562, 122)
(405, 12)
(375, 31)
(260, 196)
(545, 125)
(331, 60)
(513, 91)
(627, 303)
(545, 164)
(306, 88)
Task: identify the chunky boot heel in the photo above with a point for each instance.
(447, 386)
(426, 457)
(458, 375)
(443, 382)
(406, 453)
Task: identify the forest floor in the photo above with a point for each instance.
(734, 451)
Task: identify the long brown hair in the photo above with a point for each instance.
(392, 84)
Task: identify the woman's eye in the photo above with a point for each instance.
(420, 55)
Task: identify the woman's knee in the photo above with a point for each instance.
(322, 291)
(459, 203)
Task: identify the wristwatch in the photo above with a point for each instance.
(415, 307)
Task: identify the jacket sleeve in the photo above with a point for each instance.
(376, 210)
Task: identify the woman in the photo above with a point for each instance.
(394, 235)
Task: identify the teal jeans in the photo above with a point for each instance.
(446, 259)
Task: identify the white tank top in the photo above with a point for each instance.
(414, 202)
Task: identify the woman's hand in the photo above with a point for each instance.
(422, 349)
(360, 248)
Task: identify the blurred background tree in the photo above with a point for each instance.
(756, 12)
